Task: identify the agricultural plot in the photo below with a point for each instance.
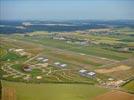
(52, 64)
(121, 70)
(115, 95)
(89, 50)
(11, 57)
(62, 54)
(2, 52)
(54, 91)
(8, 93)
(114, 69)
(129, 86)
(68, 70)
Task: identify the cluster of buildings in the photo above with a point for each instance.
(43, 63)
(21, 52)
(42, 59)
(84, 42)
(59, 38)
(60, 65)
(57, 64)
(113, 83)
(28, 68)
(74, 40)
(87, 73)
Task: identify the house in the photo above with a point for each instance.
(83, 72)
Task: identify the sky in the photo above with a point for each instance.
(66, 9)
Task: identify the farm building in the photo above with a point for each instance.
(58, 64)
(86, 73)
(91, 74)
(83, 72)
(42, 59)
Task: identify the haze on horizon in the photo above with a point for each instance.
(66, 9)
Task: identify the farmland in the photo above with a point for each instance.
(77, 65)
(115, 95)
(129, 86)
(75, 62)
(59, 91)
(90, 50)
(8, 93)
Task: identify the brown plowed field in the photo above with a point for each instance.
(115, 95)
(8, 93)
(113, 69)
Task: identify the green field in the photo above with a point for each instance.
(2, 52)
(64, 83)
(90, 50)
(54, 91)
(9, 56)
(129, 86)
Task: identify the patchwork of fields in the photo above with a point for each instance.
(69, 66)
(53, 73)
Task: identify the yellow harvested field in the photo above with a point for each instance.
(113, 69)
